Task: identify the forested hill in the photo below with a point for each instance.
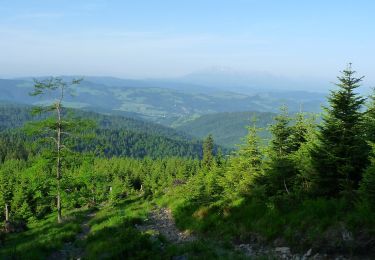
(162, 102)
(16, 115)
(228, 128)
(114, 135)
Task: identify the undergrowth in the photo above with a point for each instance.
(42, 237)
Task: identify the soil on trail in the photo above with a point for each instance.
(161, 221)
(71, 250)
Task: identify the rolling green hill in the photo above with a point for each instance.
(227, 128)
(164, 102)
(114, 136)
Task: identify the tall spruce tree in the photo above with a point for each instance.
(249, 154)
(280, 170)
(281, 133)
(208, 151)
(299, 132)
(342, 152)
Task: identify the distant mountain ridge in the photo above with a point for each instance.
(166, 102)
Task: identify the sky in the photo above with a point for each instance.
(170, 38)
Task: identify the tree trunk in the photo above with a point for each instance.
(58, 164)
(59, 216)
(6, 212)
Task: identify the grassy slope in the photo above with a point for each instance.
(42, 237)
(113, 236)
(315, 223)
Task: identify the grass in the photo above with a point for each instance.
(312, 223)
(114, 236)
(42, 237)
(113, 233)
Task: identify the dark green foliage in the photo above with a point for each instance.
(227, 128)
(13, 146)
(300, 131)
(281, 134)
(110, 143)
(13, 116)
(367, 187)
(42, 238)
(281, 170)
(208, 152)
(114, 136)
(245, 166)
(342, 153)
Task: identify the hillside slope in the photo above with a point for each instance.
(114, 135)
(228, 129)
(162, 101)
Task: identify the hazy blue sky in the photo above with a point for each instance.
(167, 38)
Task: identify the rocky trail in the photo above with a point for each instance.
(71, 249)
(160, 221)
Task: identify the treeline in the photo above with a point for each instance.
(107, 143)
(16, 115)
(114, 136)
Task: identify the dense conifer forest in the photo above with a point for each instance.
(76, 184)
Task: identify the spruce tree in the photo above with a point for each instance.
(57, 128)
(299, 132)
(342, 153)
(246, 165)
(249, 154)
(280, 169)
(208, 148)
(281, 133)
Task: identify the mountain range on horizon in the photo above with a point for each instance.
(169, 102)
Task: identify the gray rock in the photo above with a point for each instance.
(346, 235)
(317, 256)
(282, 250)
(246, 249)
(180, 257)
(308, 253)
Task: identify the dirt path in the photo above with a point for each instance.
(71, 250)
(161, 222)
